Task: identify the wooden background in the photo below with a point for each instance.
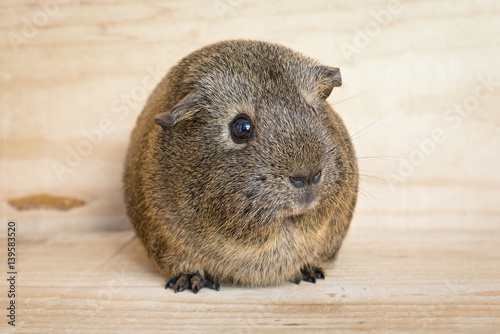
(421, 90)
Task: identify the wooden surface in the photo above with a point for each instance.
(388, 278)
(423, 253)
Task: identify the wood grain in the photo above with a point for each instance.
(386, 277)
(420, 94)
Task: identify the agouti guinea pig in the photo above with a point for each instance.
(238, 169)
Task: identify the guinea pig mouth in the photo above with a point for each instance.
(300, 210)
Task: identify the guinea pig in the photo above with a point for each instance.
(239, 171)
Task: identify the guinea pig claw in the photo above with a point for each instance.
(171, 282)
(297, 279)
(179, 283)
(210, 283)
(196, 283)
(182, 283)
(310, 274)
(193, 282)
(306, 277)
(319, 274)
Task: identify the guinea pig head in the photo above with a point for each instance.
(264, 153)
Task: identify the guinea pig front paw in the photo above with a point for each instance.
(309, 274)
(194, 282)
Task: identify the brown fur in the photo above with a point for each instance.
(204, 205)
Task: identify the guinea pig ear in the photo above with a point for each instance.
(181, 111)
(328, 77)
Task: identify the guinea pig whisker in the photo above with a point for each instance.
(365, 199)
(366, 175)
(371, 171)
(382, 157)
(342, 206)
(354, 96)
(352, 137)
(366, 193)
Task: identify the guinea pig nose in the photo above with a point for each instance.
(298, 181)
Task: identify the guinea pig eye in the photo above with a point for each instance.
(241, 128)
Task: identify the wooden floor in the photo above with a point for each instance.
(420, 95)
(387, 277)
